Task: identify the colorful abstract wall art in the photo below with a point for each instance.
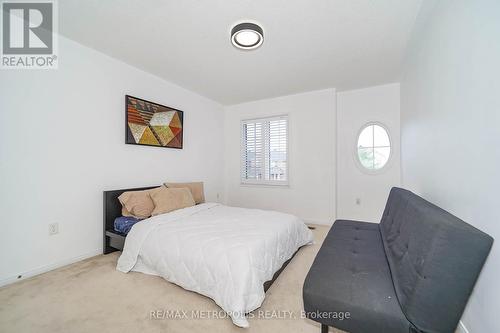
(152, 124)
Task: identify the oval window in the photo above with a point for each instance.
(374, 147)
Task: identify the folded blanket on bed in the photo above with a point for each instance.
(123, 224)
(225, 253)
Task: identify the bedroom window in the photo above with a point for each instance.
(373, 148)
(264, 151)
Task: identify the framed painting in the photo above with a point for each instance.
(152, 124)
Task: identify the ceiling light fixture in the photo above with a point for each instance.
(247, 36)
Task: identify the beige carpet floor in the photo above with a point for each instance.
(91, 296)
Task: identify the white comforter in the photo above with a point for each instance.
(225, 253)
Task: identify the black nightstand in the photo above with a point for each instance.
(114, 241)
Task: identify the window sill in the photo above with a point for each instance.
(265, 184)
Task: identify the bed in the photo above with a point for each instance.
(208, 247)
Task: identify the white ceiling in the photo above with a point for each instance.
(309, 44)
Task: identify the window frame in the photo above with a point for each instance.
(264, 182)
(360, 166)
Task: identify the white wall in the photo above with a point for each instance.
(311, 194)
(62, 144)
(451, 127)
(355, 109)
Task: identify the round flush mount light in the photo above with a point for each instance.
(247, 36)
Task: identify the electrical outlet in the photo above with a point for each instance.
(53, 228)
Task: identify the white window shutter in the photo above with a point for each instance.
(264, 151)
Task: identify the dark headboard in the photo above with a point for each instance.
(112, 207)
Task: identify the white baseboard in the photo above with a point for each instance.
(311, 221)
(461, 328)
(46, 268)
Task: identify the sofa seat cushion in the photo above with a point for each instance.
(351, 274)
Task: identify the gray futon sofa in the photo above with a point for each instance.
(413, 272)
